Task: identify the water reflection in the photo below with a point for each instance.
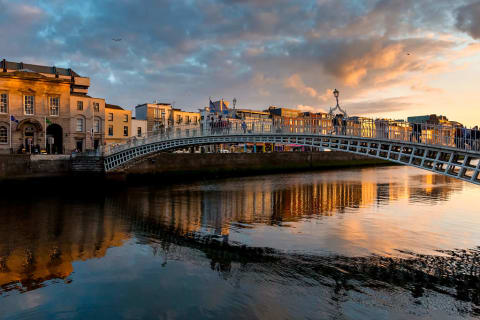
(349, 213)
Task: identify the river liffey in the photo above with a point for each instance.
(371, 243)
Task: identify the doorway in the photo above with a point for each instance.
(54, 139)
(29, 139)
(79, 145)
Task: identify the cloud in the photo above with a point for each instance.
(420, 86)
(468, 19)
(295, 82)
(379, 106)
(283, 52)
(309, 108)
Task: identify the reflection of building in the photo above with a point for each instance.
(30, 255)
(117, 124)
(42, 254)
(49, 108)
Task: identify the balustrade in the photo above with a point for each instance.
(425, 134)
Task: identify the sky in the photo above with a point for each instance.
(388, 58)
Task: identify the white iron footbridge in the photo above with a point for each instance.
(440, 149)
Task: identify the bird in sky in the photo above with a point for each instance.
(117, 39)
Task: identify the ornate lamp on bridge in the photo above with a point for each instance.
(234, 102)
(332, 111)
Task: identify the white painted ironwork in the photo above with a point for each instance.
(445, 150)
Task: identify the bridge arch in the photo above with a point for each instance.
(459, 164)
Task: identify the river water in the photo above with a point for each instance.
(370, 243)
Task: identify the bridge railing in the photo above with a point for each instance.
(420, 133)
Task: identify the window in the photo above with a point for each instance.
(96, 107)
(139, 131)
(54, 106)
(163, 114)
(96, 126)
(110, 130)
(125, 118)
(80, 105)
(110, 117)
(79, 125)
(125, 131)
(3, 103)
(156, 113)
(157, 124)
(29, 105)
(3, 135)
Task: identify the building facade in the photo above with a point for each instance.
(139, 128)
(161, 117)
(47, 109)
(180, 117)
(156, 114)
(118, 124)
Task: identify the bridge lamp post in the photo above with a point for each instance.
(234, 102)
(336, 93)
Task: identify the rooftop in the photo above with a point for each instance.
(20, 66)
(113, 106)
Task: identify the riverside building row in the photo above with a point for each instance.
(46, 109)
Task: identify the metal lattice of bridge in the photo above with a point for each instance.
(442, 149)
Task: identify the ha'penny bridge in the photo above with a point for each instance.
(445, 150)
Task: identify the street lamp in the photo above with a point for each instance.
(336, 93)
(332, 111)
(234, 102)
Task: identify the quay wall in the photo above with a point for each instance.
(231, 164)
(181, 165)
(15, 166)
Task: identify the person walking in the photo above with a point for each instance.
(244, 127)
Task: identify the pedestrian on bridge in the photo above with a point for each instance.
(244, 126)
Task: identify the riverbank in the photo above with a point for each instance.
(165, 168)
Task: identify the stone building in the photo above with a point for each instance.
(118, 124)
(47, 109)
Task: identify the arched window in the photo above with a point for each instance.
(3, 134)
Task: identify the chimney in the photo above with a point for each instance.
(55, 71)
(4, 65)
(21, 66)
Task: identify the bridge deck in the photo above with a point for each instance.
(438, 149)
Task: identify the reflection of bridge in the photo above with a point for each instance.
(436, 148)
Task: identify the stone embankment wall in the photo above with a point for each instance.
(181, 165)
(35, 166)
(220, 164)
